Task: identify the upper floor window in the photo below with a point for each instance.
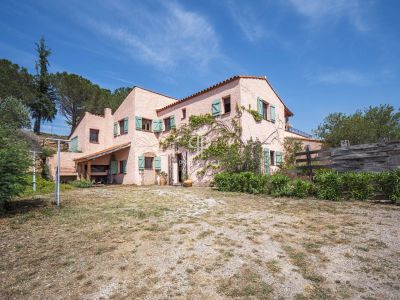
(227, 104)
(183, 113)
(121, 127)
(265, 110)
(146, 124)
(94, 135)
(167, 124)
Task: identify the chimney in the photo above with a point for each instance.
(107, 112)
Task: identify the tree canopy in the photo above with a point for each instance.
(370, 125)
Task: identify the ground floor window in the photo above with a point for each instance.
(148, 163)
(122, 166)
(272, 157)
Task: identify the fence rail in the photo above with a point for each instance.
(375, 157)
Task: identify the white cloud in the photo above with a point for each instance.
(321, 11)
(344, 76)
(164, 38)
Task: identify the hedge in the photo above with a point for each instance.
(329, 185)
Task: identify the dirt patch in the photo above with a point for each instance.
(156, 243)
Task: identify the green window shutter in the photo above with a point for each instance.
(138, 123)
(126, 125)
(123, 167)
(74, 144)
(216, 108)
(272, 111)
(278, 158)
(114, 167)
(172, 118)
(115, 129)
(260, 108)
(141, 162)
(157, 163)
(266, 161)
(157, 125)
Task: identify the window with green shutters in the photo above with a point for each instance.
(126, 126)
(272, 113)
(157, 163)
(216, 108)
(138, 123)
(115, 129)
(141, 162)
(267, 162)
(157, 125)
(114, 167)
(122, 166)
(278, 158)
(74, 144)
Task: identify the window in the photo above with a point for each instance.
(146, 125)
(94, 136)
(148, 163)
(121, 127)
(183, 113)
(265, 110)
(227, 104)
(122, 166)
(272, 158)
(167, 123)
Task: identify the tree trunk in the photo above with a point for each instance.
(36, 126)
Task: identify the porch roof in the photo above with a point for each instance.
(102, 152)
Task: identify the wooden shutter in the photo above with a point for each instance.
(115, 129)
(114, 167)
(266, 161)
(138, 123)
(278, 158)
(216, 108)
(272, 111)
(172, 122)
(141, 162)
(260, 107)
(157, 125)
(157, 163)
(74, 144)
(126, 125)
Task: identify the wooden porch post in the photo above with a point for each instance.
(89, 170)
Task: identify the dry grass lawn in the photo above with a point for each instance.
(159, 243)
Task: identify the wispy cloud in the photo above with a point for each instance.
(344, 76)
(163, 38)
(319, 12)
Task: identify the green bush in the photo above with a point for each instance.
(359, 186)
(83, 183)
(43, 186)
(328, 185)
(302, 188)
(389, 184)
(244, 182)
(279, 185)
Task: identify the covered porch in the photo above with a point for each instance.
(105, 166)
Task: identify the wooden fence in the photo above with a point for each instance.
(367, 157)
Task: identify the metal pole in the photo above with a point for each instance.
(34, 172)
(58, 173)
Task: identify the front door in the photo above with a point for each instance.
(149, 175)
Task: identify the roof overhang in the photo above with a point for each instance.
(98, 154)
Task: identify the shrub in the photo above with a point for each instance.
(43, 186)
(302, 188)
(245, 182)
(328, 185)
(83, 183)
(358, 185)
(388, 183)
(279, 185)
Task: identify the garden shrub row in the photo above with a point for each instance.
(329, 185)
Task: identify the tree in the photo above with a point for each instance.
(371, 125)
(118, 96)
(43, 105)
(15, 81)
(14, 158)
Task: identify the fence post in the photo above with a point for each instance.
(309, 167)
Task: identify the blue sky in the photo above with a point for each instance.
(320, 56)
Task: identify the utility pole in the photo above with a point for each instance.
(57, 187)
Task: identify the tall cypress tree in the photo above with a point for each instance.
(43, 107)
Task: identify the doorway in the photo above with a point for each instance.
(180, 166)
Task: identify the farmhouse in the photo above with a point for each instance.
(123, 147)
